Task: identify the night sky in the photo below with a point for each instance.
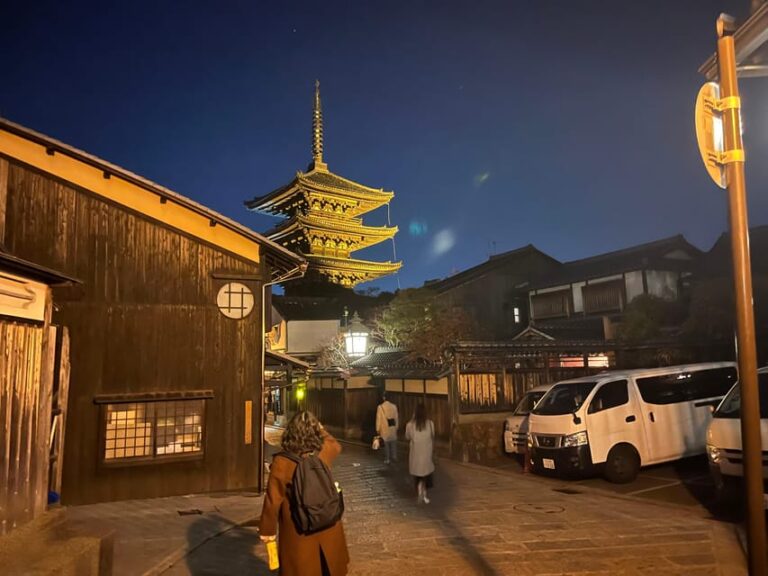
(567, 125)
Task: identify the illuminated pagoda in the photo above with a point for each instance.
(323, 218)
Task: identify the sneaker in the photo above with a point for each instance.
(426, 500)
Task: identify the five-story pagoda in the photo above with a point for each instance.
(323, 220)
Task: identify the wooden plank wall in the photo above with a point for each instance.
(144, 320)
(438, 410)
(25, 348)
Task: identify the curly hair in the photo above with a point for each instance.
(303, 434)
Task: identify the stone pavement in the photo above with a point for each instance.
(479, 522)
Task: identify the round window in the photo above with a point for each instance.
(235, 300)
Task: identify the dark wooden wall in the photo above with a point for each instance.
(144, 320)
(490, 298)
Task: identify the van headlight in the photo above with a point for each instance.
(714, 454)
(530, 440)
(578, 439)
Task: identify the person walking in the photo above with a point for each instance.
(420, 432)
(387, 422)
(321, 553)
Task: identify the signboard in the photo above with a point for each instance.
(709, 131)
(22, 298)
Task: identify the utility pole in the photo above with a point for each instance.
(733, 159)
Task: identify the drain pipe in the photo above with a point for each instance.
(292, 274)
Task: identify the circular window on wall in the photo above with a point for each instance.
(235, 300)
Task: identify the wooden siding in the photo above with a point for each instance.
(603, 297)
(144, 320)
(26, 351)
(551, 304)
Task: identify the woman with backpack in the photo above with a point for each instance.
(308, 451)
(420, 431)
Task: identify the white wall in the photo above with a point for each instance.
(308, 336)
(634, 285)
(578, 297)
(662, 283)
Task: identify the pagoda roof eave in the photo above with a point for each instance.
(380, 233)
(270, 203)
(352, 264)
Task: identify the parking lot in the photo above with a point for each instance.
(683, 483)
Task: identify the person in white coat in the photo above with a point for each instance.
(387, 421)
(420, 432)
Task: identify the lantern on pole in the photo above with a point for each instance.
(356, 338)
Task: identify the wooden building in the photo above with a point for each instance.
(166, 329)
(32, 385)
(323, 218)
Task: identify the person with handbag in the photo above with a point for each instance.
(386, 427)
(420, 432)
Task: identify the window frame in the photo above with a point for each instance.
(105, 400)
(602, 387)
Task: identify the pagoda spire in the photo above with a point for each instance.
(317, 131)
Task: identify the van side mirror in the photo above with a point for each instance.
(576, 419)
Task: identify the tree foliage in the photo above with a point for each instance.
(647, 317)
(422, 323)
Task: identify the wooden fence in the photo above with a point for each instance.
(27, 357)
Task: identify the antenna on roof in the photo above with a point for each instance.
(317, 131)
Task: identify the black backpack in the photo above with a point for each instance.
(316, 503)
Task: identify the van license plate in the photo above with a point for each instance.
(548, 463)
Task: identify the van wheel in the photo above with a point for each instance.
(622, 464)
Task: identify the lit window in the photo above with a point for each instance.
(235, 300)
(516, 312)
(148, 430)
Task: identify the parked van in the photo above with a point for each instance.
(724, 439)
(516, 426)
(623, 420)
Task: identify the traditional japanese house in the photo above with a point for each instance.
(589, 296)
(323, 218)
(495, 292)
(32, 386)
(166, 329)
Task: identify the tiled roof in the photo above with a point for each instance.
(651, 255)
(398, 363)
(307, 308)
(494, 262)
(573, 329)
(329, 179)
(717, 262)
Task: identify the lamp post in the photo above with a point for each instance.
(356, 338)
(733, 44)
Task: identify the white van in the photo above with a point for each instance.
(623, 420)
(724, 439)
(516, 426)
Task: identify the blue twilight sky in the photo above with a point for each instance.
(568, 125)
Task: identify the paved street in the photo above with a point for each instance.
(682, 483)
(483, 521)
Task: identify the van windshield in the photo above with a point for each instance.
(527, 403)
(564, 398)
(730, 407)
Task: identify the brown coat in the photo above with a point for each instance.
(299, 554)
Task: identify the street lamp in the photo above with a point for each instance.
(356, 338)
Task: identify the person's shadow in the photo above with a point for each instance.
(232, 552)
